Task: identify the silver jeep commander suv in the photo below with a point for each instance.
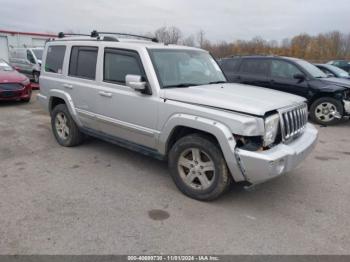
(172, 102)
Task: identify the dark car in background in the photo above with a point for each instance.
(333, 71)
(342, 64)
(328, 98)
(13, 85)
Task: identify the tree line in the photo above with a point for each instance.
(320, 48)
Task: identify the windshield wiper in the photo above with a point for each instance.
(217, 82)
(182, 85)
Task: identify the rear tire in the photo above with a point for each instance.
(64, 128)
(198, 168)
(321, 111)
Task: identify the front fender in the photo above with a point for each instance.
(219, 130)
(69, 103)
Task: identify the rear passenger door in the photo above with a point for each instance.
(123, 112)
(254, 72)
(80, 82)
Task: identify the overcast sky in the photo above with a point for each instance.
(220, 19)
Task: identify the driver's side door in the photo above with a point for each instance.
(282, 78)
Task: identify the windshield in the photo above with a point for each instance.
(338, 71)
(5, 66)
(38, 53)
(311, 69)
(183, 68)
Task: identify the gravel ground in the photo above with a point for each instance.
(99, 198)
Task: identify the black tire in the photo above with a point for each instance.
(27, 100)
(220, 182)
(36, 76)
(75, 137)
(323, 100)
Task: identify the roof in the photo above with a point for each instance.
(122, 42)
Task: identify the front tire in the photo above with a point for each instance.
(198, 168)
(323, 109)
(27, 100)
(64, 128)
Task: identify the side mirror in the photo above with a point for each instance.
(299, 76)
(135, 82)
(16, 68)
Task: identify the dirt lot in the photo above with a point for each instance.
(102, 199)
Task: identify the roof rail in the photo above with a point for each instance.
(95, 33)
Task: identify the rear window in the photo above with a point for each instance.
(83, 62)
(255, 66)
(54, 59)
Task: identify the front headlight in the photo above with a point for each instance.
(26, 82)
(271, 129)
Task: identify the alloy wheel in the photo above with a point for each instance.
(196, 169)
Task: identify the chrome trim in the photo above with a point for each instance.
(293, 121)
(119, 123)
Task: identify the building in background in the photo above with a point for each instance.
(12, 39)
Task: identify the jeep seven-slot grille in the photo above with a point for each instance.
(293, 121)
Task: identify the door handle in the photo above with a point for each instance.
(105, 94)
(68, 86)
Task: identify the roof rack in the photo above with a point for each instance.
(62, 34)
(95, 33)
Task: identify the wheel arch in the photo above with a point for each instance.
(180, 125)
(60, 97)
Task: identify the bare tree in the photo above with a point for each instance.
(168, 35)
(189, 41)
(201, 38)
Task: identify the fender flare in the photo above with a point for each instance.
(220, 131)
(69, 103)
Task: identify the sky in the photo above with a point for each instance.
(221, 20)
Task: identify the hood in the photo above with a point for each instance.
(11, 77)
(344, 82)
(236, 97)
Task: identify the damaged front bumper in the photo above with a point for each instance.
(346, 106)
(258, 167)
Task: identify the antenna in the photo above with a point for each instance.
(95, 33)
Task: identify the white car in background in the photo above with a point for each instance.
(27, 61)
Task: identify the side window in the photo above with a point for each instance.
(283, 69)
(118, 64)
(230, 65)
(54, 59)
(30, 57)
(326, 71)
(255, 67)
(83, 61)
